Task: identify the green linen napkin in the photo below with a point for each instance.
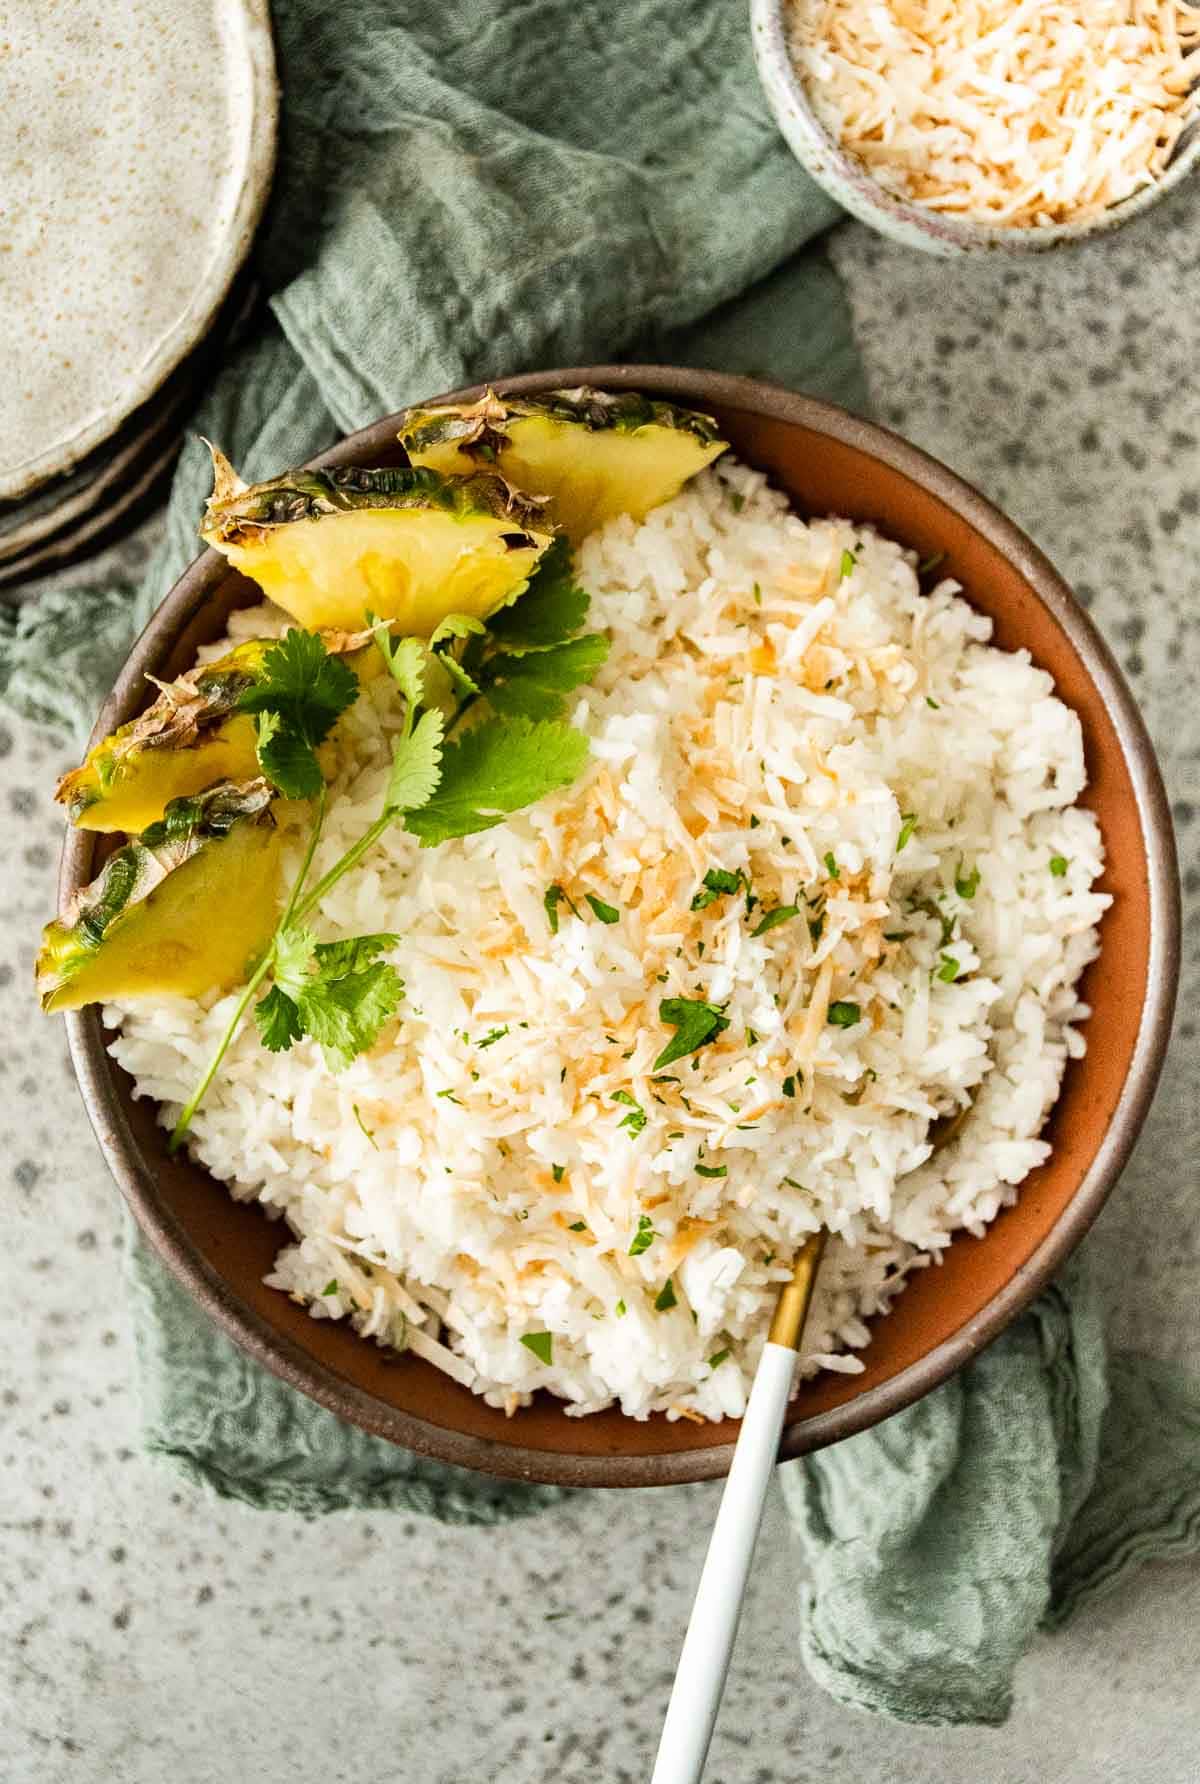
(469, 190)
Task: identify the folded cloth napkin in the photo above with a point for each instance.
(467, 190)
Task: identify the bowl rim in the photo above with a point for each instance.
(845, 178)
(295, 1365)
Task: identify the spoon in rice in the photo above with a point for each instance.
(708, 1644)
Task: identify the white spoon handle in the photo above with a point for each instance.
(700, 1678)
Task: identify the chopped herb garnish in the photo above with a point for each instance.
(712, 1170)
(907, 826)
(718, 1357)
(757, 593)
(578, 1226)
(849, 559)
(558, 1172)
(930, 563)
(895, 935)
(949, 970)
(607, 913)
(792, 1184)
(844, 1015)
(789, 1086)
(540, 1343)
(696, 1024)
(331, 1288)
(751, 1041)
(449, 1096)
(716, 884)
(933, 704)
(644, 1238)
(816, 926)
(554, 897)
(783, 913)
(1058, 866)
(493, 1035)
(737, 500)
(754, 822)
(366, 1131)
(620, 1309)
(635, 1121)
(966, 885)
(831, 866)
(665, 1299)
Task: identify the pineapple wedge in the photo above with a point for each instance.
(182, 908)
(192, 736)
(593, 453)
(408, 545)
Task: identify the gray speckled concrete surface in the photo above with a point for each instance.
(150, 1635)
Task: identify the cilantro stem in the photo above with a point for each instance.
(351, 858)
(179, 1131)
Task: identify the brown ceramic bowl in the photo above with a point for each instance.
(829, 462)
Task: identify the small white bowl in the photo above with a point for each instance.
(848, 181)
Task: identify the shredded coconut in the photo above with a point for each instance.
(1020, 115)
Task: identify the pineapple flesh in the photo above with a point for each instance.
(406, 545)
(182, 908)
(593, 453)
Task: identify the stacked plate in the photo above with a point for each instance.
(138, 152)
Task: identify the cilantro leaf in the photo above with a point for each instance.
(783, 913)
(718, 1357)
(966, 885)
(551, 610)
(293, 957)
(497, 767)
(849, 559)
(712, 1170)
(405, 660)
(666, 1297)
(907, 827)
(643, 1239)
(366, 1132)
(351, 954)
(1058, 866)
(534, 684)
(949, 970)
(844, 1015)
(635, 1121)
(717, 881)
(604, 913)
(554, 897)
(288, 762)
(344, 1015)
(541, 1344)
(455, 625)
(696, 1023)
(416, 766)
(303, 685)
(278, 1021)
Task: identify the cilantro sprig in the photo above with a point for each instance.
(341, 994)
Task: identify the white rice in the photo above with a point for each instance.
(761, 712)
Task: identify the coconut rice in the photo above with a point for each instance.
(782, 703)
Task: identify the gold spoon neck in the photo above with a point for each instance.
(791, 1310)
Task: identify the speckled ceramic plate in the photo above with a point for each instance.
(137, 143)
(828, 462)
